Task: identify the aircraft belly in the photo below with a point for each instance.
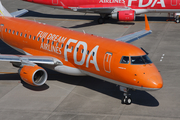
(119, 83)
(66, 70)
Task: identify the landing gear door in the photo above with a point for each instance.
(54, 2)
(1, 31)
(107, 62)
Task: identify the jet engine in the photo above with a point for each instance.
(33, 75)
(125, 15)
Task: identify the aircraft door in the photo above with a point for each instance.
(1, 31)
(173, 2)
(107, 62)
(54, 2)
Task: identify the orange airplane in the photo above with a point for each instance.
(76, 53)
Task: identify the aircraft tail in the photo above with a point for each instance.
(3, 11)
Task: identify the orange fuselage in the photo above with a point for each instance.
(91, 55)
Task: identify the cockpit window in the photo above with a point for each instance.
(146, 59)
(125, 60)
(140, 60)
(137, 60)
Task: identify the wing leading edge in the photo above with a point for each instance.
(137, 35)
(30, 59)
(19, 13)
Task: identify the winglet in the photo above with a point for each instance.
(146, 23)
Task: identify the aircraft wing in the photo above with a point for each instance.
(19, 13)
(95, 10)
(30, 59)
(137, 35)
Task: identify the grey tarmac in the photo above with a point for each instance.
(66, 97)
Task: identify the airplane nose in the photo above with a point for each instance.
(156, 82)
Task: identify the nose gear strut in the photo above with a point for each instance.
(127, 97)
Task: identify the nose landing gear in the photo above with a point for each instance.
(177, 19)
(126, 98)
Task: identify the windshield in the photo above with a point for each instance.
(140, 60)
(146, 59)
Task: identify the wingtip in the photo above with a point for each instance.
(146, 23)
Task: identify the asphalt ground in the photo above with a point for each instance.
(66, 97)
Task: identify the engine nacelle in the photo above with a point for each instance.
(33, 75)
(125, 15)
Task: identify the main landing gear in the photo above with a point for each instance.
(102, 19)
(126, 98)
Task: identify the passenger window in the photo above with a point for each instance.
(21, 34)
(125, 60)
(47, 41)
(29, 36)
(42, 39)
(52, 42)
(93, 53)
(62, 45)
(17, 33)
(9, 30)
(82, 50)
(77, 49)
(6, 30)
(57, 43)
(25, 35)
(88, 52)
(34, 37)
(38, 38)
(72, 48)
(13, 32)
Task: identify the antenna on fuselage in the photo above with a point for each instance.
(84, 32)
